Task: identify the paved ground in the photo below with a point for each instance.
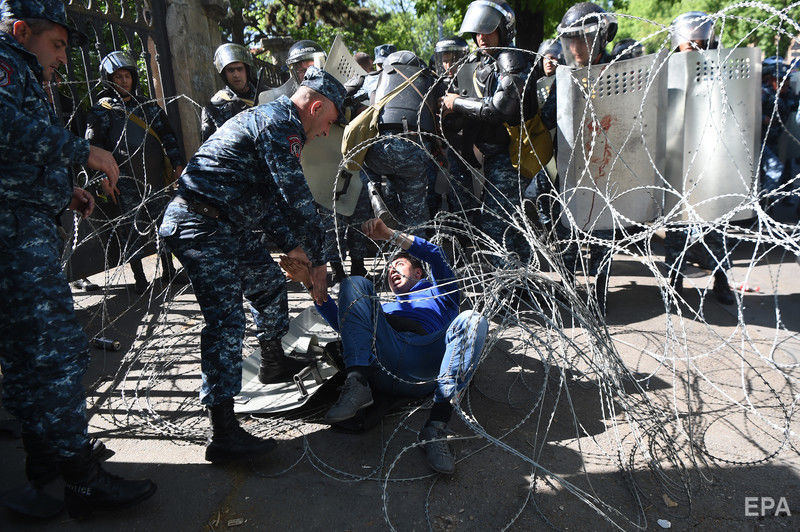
(734, 396)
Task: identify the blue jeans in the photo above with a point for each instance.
(406, 363)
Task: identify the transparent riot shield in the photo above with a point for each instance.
(322, 156)
(611, 128)
(713, 133)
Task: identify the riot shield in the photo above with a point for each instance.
(714, 132)
(611, 128)
(322, 156)
(287, 89)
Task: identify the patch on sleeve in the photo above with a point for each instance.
(295, 146)
(5, 73)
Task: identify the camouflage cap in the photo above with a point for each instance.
(52, 10)
(325, 84)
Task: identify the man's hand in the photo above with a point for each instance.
(319, 284)
(103, 161)
(300, 255)
(296, 270)
(446, 102)
(376, 229)
(82, 202)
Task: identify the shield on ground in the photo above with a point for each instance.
(611, 128)
(713, 133)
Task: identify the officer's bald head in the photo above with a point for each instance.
(317, 112)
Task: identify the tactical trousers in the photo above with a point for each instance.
(43, 349)
(706, 250)
(408, 170)
(501, 198)
(405, 363)
(224, 264)
(600, 255)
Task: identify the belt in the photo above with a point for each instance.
(199, 207)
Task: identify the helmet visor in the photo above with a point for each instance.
(298, 69)
(481, 17)
(692, 27)
(446, 60)
(580, 48)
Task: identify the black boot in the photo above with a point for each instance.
(676, 281)
(41, 468)
(338, 272)
(722, 289)
(357, 267)
(275, 366)
(228, 440)
(138, 276)
(89, 487)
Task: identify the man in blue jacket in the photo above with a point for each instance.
(412, 346)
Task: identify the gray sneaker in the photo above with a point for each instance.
(355, 396)
(438, 453)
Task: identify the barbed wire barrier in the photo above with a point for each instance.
(696, 386)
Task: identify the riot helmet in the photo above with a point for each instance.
(447, 53)
(584, 31)
(233, 53)
(382, 52)
(695, 29)
(627, 49)
(116, 61)
(484, 17)
(302, 55)
(551, 55)
(775, 67)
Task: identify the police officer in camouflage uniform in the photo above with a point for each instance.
(500, 76)
(694, 30)
(234, 64)
(137, 132)
(43, 349)
(244, 178)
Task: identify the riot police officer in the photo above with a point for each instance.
(247, 176)
(137, 132)
(234, 64)
(499, 76)
(694, 30)
(402, 153)
(43, 349)
(584, 32)
(551, 56)
(627, 49)
(302, 55)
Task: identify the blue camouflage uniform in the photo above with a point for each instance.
(43, 350)
(772, 168)
(244, 178)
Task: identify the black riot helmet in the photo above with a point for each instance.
(627, 49)
(302, 51)
(585, 30)
(382, 51)
(695, 28)
(448, 52)
(485, 17)
(233, 53)
(115, 61)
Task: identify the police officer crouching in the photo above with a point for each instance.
(234, 64)
(43, 349)
(498, 82)
(247, 176)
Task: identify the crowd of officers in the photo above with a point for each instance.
(245, 187)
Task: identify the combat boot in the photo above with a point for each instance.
(89, 487)
(357, 268)
(229, 441)
(722, 289)
(275, 365)
(41, 468)
(140, 280)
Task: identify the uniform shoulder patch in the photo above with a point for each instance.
(5, 73)
(295, 145)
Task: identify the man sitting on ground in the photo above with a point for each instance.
(413, 346)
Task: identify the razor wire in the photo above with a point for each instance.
(548, 334)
